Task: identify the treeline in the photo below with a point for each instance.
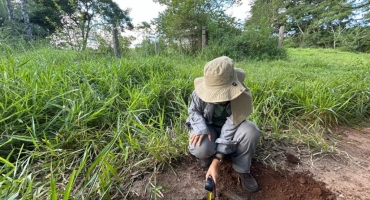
(83, 24)
(343, 24)
(74, 24)
(335, 24)
(180, 26)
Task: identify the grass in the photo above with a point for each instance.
(78, 126)
(312, 85)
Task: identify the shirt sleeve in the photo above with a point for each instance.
(196, 120)
(225, 143)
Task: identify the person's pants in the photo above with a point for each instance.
(248, 136)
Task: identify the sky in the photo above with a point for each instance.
(141, 10)
(146, 10)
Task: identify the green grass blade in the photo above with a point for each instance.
(6, 162)
(69, 186)
(53, 186)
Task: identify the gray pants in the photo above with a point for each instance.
(247, 133)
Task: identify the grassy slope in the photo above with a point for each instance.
(86, 122)
(325, 85)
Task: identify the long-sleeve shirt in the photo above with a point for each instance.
(200, 116)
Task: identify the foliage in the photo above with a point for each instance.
(10, 29)
(265, 14)
(4, 11)
(325, 90)
(104, 41)
(180, 25)
(76, 125)
(43, 20)
(182, 21)
(250, 44)
(89, 16)
(254, 42)
(356, 39)
(68, 23)
(317, 23)
(46, 14)
(358, 4)
(99, 109)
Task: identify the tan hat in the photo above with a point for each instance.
(222, 82)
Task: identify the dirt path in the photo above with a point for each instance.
(344, 175)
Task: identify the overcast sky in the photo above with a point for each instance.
(146, 10)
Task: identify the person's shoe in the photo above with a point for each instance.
(248, 182)
(205, 162)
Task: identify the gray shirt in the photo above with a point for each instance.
(200, 115)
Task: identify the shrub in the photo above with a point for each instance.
(252, 43)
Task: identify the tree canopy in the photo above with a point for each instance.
(76, 17)
(183, 20)
(308, 23)
(317, 23)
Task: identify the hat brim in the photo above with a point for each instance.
(219, 95)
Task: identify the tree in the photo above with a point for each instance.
(3, 13)
(182, 20)
(47, 14)
(115, 18)
(11, 23)
(308, 22)
(357, 4)
(9, 7)
(80, 17)
(265, 14)
(26, 20)
(360, 7)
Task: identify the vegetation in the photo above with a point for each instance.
(84, 125)
(79, 126)
(67, 24)
(330, 24)
(182, 22)
(88, 24)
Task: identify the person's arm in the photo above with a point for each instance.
(214, 168)
(196, 119)
(226, 143)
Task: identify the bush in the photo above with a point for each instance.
(252, 43)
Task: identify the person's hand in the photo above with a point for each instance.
(197, 139)
(214, 170)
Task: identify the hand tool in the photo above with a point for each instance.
(211, 188)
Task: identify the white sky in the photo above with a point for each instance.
(146, 10)
(141, 10)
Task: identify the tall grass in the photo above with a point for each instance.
(326, 86)
(76, 125)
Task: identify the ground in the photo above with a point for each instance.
(347, 172)
(343, 174)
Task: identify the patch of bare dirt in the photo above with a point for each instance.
(347, 171)
(187, 181)
(340, 175)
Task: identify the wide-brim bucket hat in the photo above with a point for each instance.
(222, 82)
